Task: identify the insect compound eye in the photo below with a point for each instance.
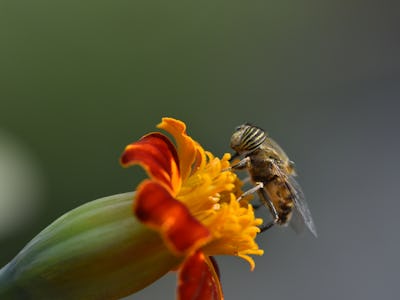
(252, 137)
(236, 138)
(247, 138)
(240, 127)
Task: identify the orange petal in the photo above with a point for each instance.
(155, 207)
(158, 156)
(186, 146)
(198, 279)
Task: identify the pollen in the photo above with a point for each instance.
(210, 193)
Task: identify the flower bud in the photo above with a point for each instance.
(96, 251)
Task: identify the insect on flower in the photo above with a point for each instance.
(272, 173)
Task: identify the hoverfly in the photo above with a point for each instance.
(273, 175)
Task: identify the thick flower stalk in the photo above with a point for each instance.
(185, 213)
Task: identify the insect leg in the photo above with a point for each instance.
(241, 164)
(267, 226)
(234, 156)
(257, 187)
(264, 197)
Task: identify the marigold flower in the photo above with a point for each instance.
(184, 213)
(191, 200)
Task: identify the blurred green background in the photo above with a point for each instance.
(81, 79)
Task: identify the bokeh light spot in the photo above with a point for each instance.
(21, 184)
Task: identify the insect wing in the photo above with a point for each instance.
(274, 146)
(301, 204)
(297, 222)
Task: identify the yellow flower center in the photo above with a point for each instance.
(210, 193)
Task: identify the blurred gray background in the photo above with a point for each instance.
(81, 79)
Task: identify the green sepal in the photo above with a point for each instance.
(96, 251)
